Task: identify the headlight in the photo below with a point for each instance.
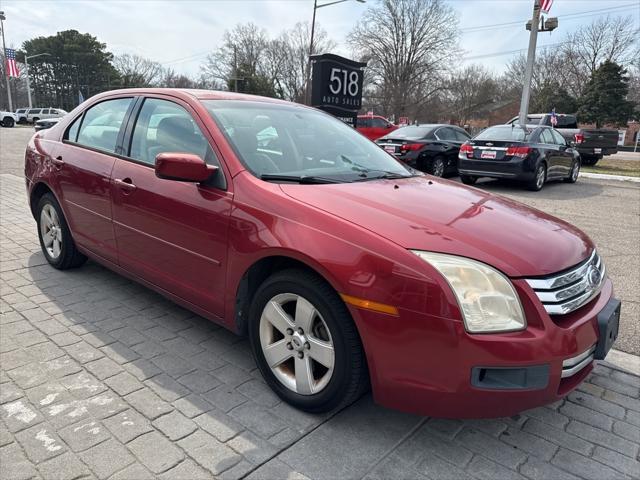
(487, 299)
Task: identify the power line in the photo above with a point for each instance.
(587, 13)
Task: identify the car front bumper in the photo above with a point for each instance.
(430, 365)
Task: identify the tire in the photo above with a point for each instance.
(342, 378)
(22, 121)
(437, 167)
(8, 122)
(51, 221)
(468, 179)
(538, 180)
(574, 173)
(590, 159)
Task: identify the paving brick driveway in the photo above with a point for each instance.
(102, 378)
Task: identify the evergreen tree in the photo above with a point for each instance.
(553, 96)
(604, 99)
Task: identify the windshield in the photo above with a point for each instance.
(506, 133)
(292, 141)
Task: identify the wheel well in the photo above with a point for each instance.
(253, 278)
(36, 194)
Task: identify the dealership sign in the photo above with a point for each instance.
(336, 86)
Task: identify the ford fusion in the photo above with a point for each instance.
(346, 269)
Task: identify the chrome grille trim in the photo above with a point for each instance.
(573, 365)
(563, 293)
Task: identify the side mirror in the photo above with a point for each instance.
(183, 167)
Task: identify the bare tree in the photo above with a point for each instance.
(137, 71)
(410, 46)
(468, 91)
(608, 38)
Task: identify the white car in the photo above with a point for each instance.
(8, 119)
(32, 115)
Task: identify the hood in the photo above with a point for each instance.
(426, 213)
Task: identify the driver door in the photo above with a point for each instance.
(172, 234)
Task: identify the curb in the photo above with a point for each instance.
(602, 176)
(623, 361)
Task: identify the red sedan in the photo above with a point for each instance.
(345, 268)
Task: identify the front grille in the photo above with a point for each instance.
(565, 292)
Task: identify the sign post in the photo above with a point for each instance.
(336, 86)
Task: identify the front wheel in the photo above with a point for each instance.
(8, 122)
(55, 238)
(575, 171)
(537, 182)
(305, 342)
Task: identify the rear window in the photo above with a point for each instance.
(506, 133)
(414, 132)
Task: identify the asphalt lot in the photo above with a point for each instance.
(102, 378)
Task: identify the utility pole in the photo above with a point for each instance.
(4, 63)
(535, 26)
(531, 58)
(26, 67)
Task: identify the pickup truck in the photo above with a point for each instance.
(591, 143)
(8, 119)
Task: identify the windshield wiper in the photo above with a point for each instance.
(302, 179)
(385, 175)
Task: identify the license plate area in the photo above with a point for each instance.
(390, 149)
(488, 154)
(608, 326)
(597, 150)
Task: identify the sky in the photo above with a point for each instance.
(179, 34)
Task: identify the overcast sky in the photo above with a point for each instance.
(179, 34)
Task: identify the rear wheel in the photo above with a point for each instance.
(305, 342)
(575, 171)
(537, 182)
(590, 159)
(35, 119)
(468, 179)
(8, 122)
(437, 167)
(55, 238)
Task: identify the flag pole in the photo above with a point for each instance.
(4, 66)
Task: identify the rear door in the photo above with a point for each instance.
(172, 234)
(565, 155)
(364, 126)
(552, 154)
(84, 162)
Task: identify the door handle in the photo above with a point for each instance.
(58, 162)
(125, 184)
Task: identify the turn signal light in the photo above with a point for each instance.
(407, 147)
(521, 152)
(579, 138)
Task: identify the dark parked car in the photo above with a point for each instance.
(591, 143)
(345, 268)
(533, 154)
(429, 148)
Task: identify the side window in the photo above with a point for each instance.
(559, 139)
(46, 111)
(379, 123)
(546, 136)
(34, 111)
(163, 126)
(101, 124)
(364, 122)
(72, 132)
(461, 136)
(445, 134)
(567, 121)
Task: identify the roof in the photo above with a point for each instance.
(200, 94)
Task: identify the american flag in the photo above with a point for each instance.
(11, 65)
(545, 5)
(554, 118)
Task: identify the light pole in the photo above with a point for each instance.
(26, 67)
(313, 28)
(4, 57)
(534, 25)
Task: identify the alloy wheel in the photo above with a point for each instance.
(540, 177)
(438, 167)
(297, 344)
(575, 171)
(51, 231)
